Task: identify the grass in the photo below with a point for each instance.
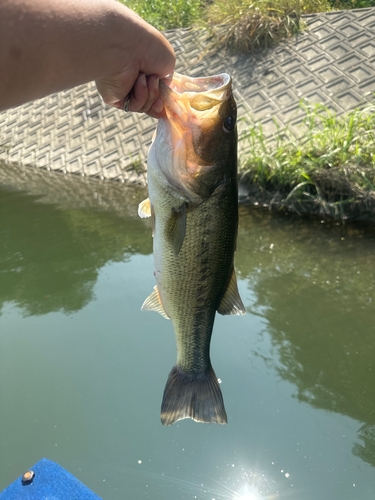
(351, 4)
(245, 25)
(329, 168)
(167, 14)
(332, 168)
(239, 24)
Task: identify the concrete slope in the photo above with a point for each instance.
(332, 62)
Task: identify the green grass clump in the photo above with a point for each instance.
(167, 14)
(333, 161)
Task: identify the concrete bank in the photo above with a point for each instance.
(333, 63)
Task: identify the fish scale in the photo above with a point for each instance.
(206, 267)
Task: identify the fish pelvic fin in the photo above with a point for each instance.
(197, 397)
(153, 303)
(231, 303)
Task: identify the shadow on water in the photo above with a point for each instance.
(56, 232)
(314, 284)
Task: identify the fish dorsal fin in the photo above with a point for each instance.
(176, 228)
(144, 208)
(153, 303)
(231, 303)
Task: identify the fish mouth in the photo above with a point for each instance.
(200, 94)
(182, 84)
(192, 111)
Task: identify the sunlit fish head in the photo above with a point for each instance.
(200, 126)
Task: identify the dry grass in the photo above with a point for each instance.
(245, 25)
(239, 24)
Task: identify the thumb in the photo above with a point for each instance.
(157, 56)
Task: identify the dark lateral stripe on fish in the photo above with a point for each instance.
(197, 397)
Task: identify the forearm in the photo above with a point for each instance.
(50, 45)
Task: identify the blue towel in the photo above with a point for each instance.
(51, 482)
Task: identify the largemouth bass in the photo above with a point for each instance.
(193, 203)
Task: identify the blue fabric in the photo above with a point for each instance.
(51, 482)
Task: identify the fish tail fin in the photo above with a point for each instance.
(198, 397)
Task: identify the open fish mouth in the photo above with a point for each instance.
(191, 131)
(199, 94)
(217, 83)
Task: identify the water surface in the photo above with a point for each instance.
(83, 369)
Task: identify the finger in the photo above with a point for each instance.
(153, 92)
(158, 54)
(139, 94)
(154, 105)
(157, 109)
(114, 90)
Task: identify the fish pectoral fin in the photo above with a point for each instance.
(144, 208)
(221, 187)
(231, 303)
(153, 303)
(176, 228)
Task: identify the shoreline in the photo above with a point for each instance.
(359, 207)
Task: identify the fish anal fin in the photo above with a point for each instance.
(153, 303)
(231, 303)
(176, 228)
(144, 208)
(197, 397)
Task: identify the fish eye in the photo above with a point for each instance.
(229, 124)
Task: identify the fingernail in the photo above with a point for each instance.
(158, 106)
(156, 83)
(143, 80)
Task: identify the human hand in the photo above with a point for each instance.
(148, 58)
(144, 96)
(48, 45)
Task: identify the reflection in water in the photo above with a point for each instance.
(249, 485)
(50, 258)
(366, 451)
(248, 496)
(252, 493)
(314, 283)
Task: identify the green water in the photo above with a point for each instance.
(83, 369)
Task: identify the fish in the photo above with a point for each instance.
(193, 205)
